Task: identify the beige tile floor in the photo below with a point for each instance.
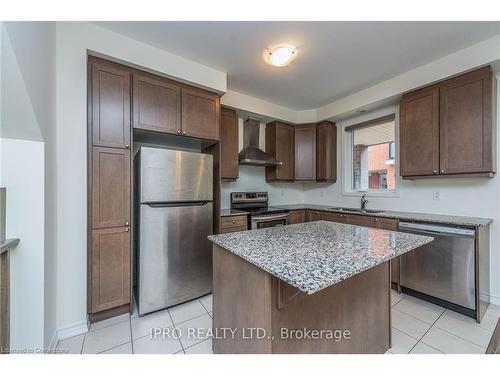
(418, 327)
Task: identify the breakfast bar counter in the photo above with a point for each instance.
(318, 287)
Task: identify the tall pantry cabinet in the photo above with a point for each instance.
(109, 186)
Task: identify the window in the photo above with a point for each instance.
(371, 156)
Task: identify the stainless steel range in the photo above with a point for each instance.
(261, 215)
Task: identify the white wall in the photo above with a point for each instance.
(458, 196)
(253, 179)
(22, 173)
(73, 41)
(28, 113)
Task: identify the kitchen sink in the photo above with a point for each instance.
(349, 209)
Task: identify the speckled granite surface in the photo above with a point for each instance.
(313, 256)
(231, 212)
(432, 218)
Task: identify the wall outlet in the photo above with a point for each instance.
(436, 195)
(282, 192)
(321, 193)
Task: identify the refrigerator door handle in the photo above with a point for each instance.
(176, 204)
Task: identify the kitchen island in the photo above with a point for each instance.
(318, 287)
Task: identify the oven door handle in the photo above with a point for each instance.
(270, 217)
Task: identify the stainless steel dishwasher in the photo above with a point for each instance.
(442, 270)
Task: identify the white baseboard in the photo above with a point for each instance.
(71, 331)
(494, 300)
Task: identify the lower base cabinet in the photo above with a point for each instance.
(230, 224)
(110, 269)
(297, 217)
(390, 224)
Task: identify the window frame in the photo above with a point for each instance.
(346, 154)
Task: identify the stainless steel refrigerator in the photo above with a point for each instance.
(174, 191)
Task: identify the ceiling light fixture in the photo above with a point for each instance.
(280, 55)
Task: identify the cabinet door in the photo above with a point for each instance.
(419, 133)
(228, 144)
(334, 216)
(110, 187)
(465, 123)
(110, 105)
(326, 152)
(110, 268)
(157, 104)
(305, 152)
(385, 223)
(200, 114)
(297, 217)
(280, 144)
(365, 221)
(314, 215)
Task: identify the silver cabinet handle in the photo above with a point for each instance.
(435, 172)
(127, 146)
(126, 229)
(443, 170)
(178, 132)
(126, 223)
(184, 133)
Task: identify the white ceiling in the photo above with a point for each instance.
(335, 59)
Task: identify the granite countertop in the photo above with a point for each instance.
(416, 216)
(232, 212)
(313, 256)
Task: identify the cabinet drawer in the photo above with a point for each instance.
(234, 223)
(334, 216)
(387, 224)
(365, 221)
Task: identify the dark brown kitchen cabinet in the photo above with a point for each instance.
(334, 216)
(364, 221)
(110, 187)
(157, 104)
(466, 131)
(312, 215)
(228, 144)
(297, 217)
(419, 133)
(280, 144)
(326, 152)
(234, 223)
(305, 152)
(448, 128)
(200, 114)
(109, 98)
(110, 269)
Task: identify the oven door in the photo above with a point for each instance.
(267, 221)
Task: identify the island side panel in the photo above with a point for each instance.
(241, 300)
(360, 304)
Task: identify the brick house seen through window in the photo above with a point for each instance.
(373, 155)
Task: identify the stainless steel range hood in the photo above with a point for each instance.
(251, 154)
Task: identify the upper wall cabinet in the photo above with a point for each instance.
(228, 144)
(109, 96)
(419, 133)
(200, 114)
(466, 128)
(157, 104)
(280, 144)
(448, 128)
(326, 152)
(305, 152)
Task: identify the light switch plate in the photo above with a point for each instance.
(436, 195)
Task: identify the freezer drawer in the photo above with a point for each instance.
(175, 256)
(170, 175)
(443, 268)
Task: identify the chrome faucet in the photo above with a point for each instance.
(364, 201)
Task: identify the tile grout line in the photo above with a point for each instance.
(180, 342)
(432, 325)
